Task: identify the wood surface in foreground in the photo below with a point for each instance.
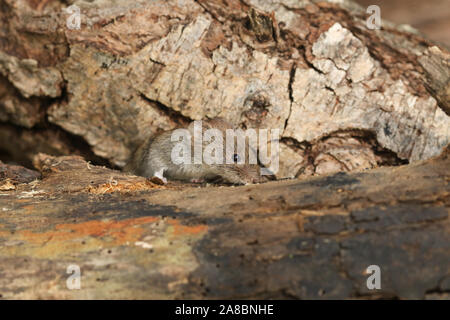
(302, 239)
(343, 97)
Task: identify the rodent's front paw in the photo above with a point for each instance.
(158, 177)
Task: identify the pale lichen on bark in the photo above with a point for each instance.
(135, 69)
(344, 92)
(345, 98)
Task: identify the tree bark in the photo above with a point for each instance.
(344, 97)
(310, 239)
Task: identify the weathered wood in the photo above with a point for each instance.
(343, 96)
(310, 238)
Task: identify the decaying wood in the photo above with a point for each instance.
(345, 97)
(310, 238)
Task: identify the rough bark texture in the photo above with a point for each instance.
(345, 98)
(287, 239)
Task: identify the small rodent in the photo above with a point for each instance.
(153, 159)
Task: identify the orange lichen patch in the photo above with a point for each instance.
(122, 187)
(28, 209)
(119, 232)
(180, 230)
(4, 234)
(22, 200)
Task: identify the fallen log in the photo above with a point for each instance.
(344, 97)
(302, 239)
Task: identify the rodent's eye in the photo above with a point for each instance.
(236, 157)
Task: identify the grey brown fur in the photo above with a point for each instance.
(154, 155)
